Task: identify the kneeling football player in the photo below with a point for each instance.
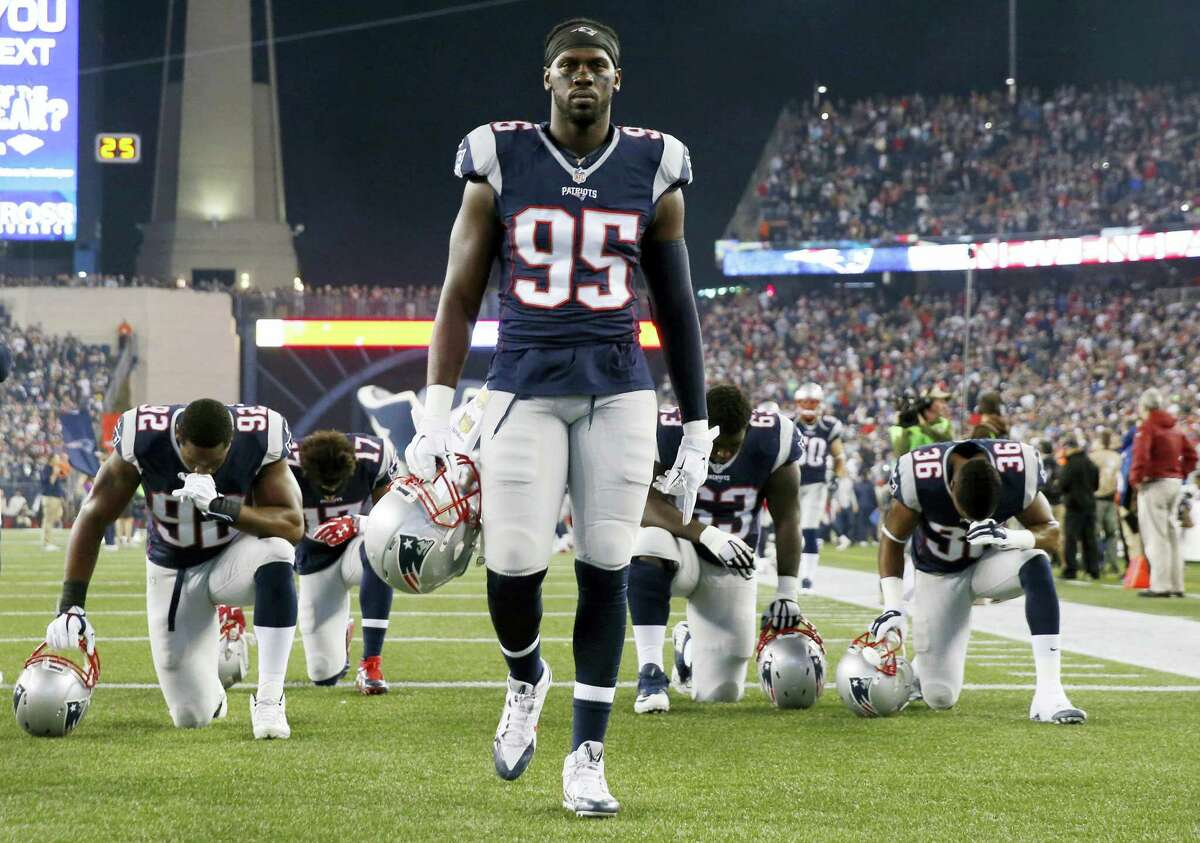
(952, 500)
(338, 473)
(710, 559)
(199, 466)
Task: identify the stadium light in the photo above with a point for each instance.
(244, 281)
(1185, 207)
(82, 274)
(824, 115)
(821, 89)
(181, 283)
(382, 333)
(1010, 81)
(987, 125)
(297, 284)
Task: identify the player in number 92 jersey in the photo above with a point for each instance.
(225, 512)
(952, 500)
(710, 560)
(338, 474)
(571, 209)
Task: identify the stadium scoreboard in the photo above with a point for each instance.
(118, 148)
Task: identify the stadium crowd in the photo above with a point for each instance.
(1064, 360)
(49, 375)
(947, 166)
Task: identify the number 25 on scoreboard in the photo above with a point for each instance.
(118, 148)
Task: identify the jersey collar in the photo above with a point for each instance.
(578, 174)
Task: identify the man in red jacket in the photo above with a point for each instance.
(1162, 457)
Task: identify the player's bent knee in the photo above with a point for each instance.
(191, 717)
(730, 691)
(1036, 572)
(275, 549)
(938, 695)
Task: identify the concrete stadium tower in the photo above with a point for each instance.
(218, 211)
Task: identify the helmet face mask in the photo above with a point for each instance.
(53, 693)
(422, 533)
(791, 665)
(873, 677)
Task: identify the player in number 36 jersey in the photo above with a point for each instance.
(954, 500)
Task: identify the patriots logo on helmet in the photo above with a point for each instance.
(860, 688)
(412, 553)
(18, 692)
(75, 712)
(764, 672)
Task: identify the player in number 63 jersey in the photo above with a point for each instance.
(571, 209)
(952, 500)
(710, 560)
(225, 512)
(338, 473)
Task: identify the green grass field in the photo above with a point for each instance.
(416, 764)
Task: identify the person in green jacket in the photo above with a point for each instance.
(921, 421)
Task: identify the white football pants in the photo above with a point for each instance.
(721, 613)
(813, 497)
(324, 603)
(182, 615)
(942, 618)
(601, 449)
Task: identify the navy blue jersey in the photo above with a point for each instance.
(818, 437)
(375, 465)
(919, 481)
(732, 497)
(573, 230)
(179, 536)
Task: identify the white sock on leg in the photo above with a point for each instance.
(1047, 660)
(274, 648)
(649, 641)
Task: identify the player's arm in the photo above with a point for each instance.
(113, 490)
(899, 525)
(783, 502)
(277, 511)
(838, 451)
(1038, 519)
(661, 512)
(473, 243)
(474, 240)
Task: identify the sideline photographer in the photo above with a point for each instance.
(921, 421)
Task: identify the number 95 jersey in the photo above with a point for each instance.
(179, 536)
(573, 229)
(731, 497)
(920, 482)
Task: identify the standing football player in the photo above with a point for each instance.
(570, 208)
(952, 500)
(338, 473)
(710, 560)
(823, 437)
(201, 466)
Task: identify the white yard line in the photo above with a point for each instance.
(498, 685)
(1158, 642)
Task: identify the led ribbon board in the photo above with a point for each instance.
(381, 333)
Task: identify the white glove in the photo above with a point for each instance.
(782, 613)
(200, 489)
(691, 465)
(730, 551)
(434, 440)
(64, 631)
(987, 533)
(891, 620)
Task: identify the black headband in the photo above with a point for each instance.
(583, 35)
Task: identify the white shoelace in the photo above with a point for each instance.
(589, 779)
(518, 711)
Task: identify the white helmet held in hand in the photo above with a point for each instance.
(423, 533)
(791, 665)
(873, 677)
(53, 693)
(233, 654)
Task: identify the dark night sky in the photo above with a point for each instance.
(371, 119)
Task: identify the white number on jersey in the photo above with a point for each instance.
(180, 524)
(742, 497)
(814, 453)
(564, 247)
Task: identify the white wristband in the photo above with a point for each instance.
(893, 592)
(696, 428)
(714, 539)
(787, 589)
(439, 398)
